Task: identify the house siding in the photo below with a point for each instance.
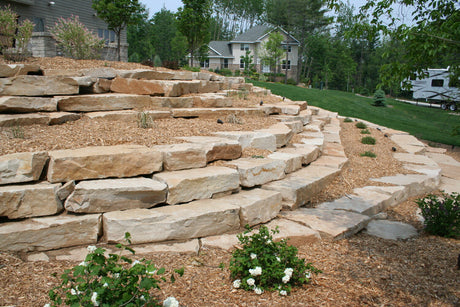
(42, 44)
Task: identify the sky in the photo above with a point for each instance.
(156, 5)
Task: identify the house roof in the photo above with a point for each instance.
(221, 48)
(253, 34)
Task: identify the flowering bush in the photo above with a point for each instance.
(14, 36)
(115, 280)
(75, 39)
(441, 214)
(263, 264)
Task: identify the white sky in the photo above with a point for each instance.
(156, 5)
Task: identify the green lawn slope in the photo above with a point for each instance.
(430, 124)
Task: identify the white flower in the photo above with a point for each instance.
(142, 298)
(91, 248)
(256, 272)
(105, 285)
(269, 241)
(47, 305)
(237, 283)
(73, 292)
(116, 275)
(253, 256)
(134, 263)
(251, 281)
(258, 290)
(283, 292)
(278, 259)
(83, 263)
(94, 298)
(150, 272)
(308, 275)
(288, 272)
(170, 302)
(286, 278)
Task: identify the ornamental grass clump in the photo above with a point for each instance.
(441, 214)
(361, 125)
(113, 280)
(369, 140)
(264, 265)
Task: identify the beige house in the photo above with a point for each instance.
(227, 54)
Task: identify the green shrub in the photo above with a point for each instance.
(291, 81)
(263, 264)
(365, 131)
(17, 131)
(237, 73)
(348, 120)
(368, 154)
(157, 60)
(379, 98)
(225, 72)
(193, 69)
(75, 39)
(369, 140)
(14, 33)
(361, 125)
(364, 91)
(441, 214)
(115, 280)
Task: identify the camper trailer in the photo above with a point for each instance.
(434, 88)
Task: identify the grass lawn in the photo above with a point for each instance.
(425, 123)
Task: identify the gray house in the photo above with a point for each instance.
(44, 14)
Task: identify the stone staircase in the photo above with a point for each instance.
(169, 193)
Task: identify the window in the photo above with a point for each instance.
(241, 63)
(225, 63)
(39, 24)
(244, 47)
(289, 49)
(437, 83)
(107, 35)
(204, 64)
(283, 65)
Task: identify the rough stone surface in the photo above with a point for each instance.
(63, 192)
(22, 167)
(147, 74)
(22, 201)
(126, 116)
(260, 140)
(217, 148)
(173, 102)
(138, 87)
(97, 196)
(211, 100)
(293, 161)
(282, 133)
(257, 171)
(296, 126)
(309, 153)
(391, 230)
(12, 120)
(182, 156)
(193, 220)
(413, 158)
(333, 149)
(38, 86)
(102, 102)
(41, 234)
(59, 118)
(102, 162)
(188, 185)
(19, 104)
(298, 234)
(12, 70)
(206, 112)
(409, 143)
(414, 184)
(332, 224)
(331, 161)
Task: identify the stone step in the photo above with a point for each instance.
(21, 104)
(182, 156)
(282, 133)
(201, 218)
(293, 161)
(409, 143)
(258, 171)
(309, 153)
(165, 88)
(102, 102)
(222, 112)
(216, 148)
(300, 187)
(47, 233)
(99, 162)
(331, 224)
(13, 70)
(414, 184)
(260, 140)
(331, 161)
(188, 185)
(32, 200)
(391, 230)
(22, 167)
(98, 196)
(38, 86)
(12, 120)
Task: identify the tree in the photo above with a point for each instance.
(432, 41)
(193, 22)
(164, 28)
(247, 60)
(272, 51)
(118, 14)
(140, 40)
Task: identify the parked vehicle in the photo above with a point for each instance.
(435, 89)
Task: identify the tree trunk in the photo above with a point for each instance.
(119, 45)
(286, 70)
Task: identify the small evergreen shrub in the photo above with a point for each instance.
(347, 120)
(379, 98)
(369, 154)
(226, 72)
(113, 280)
(441, 214)
(291, 81)
(75, 39)
(365, 131)
(361, 125)
(265, 265)
(369, 140)
(193, 69)
(145, 120)
(157, 60)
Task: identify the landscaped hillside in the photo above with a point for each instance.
(425, 123)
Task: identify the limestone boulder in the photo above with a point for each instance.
(22, 167)
(99, 162)
(297, 234)
(38, 86)
(12, 70)
(101, 102)
(211, 100)
(22, 201)
(282, 133)
(147, 74)
(98, 196)
(391, 230)
(331, 161)
(207, 112)
(59, 118)
(182, 156)
(173, 102)
(216, 148)
(255, 171)
(123, 116)
(309, 153)
(260, 140)
(293, 161)
(138, 87)
(47, 233)
(12, 120)
(188, 185)
(20, 104)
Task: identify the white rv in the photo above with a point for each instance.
(435, 88)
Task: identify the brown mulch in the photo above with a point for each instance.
(358, 271)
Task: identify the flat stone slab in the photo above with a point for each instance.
(409, 143)
(102, 102)
(293, 161)
(125, 116)
(413, 158)
(32, 200)
(173, 102)
(414, 184)
(38, 86)
(20, 104)
(47, 233)
(260, 140)
(309, 153)
(99, 162)
(146, 74)
(216, 148)
(12, 120)
(59, 118)
(331, 224)
(22, 167)
(188, 185)
(207, 112)
(319, 142)
(257, 171)
(167, 88)
(193, 220)
(333, 149)
(449, 185)
(212, 100)
(12, 70)
(296, 126)
(182, 156)
(391, 230)
(381, 197)
(331, 161)
(98, 196)
(282, 133)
